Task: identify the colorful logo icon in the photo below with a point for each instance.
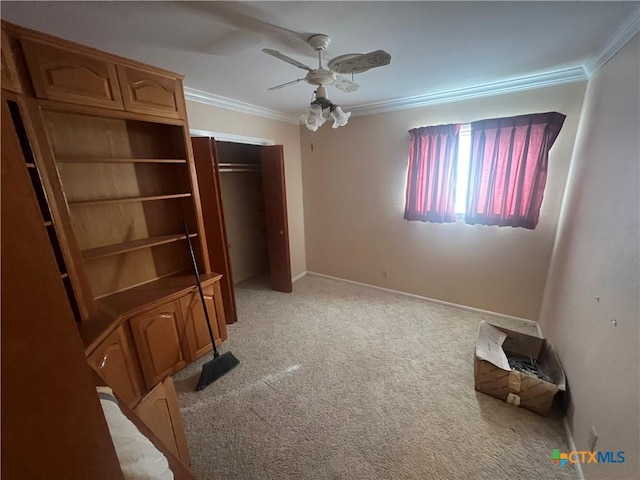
(559, 458)
(586, 456)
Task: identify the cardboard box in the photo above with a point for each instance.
(493, 374)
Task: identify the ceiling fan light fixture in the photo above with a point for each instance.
(313, 117)
(340, 118)
(319, 111)
(349, 63)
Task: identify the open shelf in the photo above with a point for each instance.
(106, 201)
(132, 245)
(119, 160)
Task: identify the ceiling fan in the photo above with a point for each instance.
(344, 64)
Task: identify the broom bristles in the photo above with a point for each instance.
(216, 368)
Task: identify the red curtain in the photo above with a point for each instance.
(508, 168)
(431, 179)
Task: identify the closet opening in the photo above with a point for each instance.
(244, 209)
(244, 213)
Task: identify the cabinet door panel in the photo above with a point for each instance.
(152, 93)
(197, 333)
(10, 79)
(160, 412)
(72, 77)
(158, 337)
(208, 173)
(275, 203)
(115, 363)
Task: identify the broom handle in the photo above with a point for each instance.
(204, 304)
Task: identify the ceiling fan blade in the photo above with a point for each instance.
(360, 63)
(284, 58)
(277, 87)
(345, 85)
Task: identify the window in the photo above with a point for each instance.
(462, 177)
(493, 171)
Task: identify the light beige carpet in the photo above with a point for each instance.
(339, 381)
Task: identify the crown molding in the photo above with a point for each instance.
(575, 74)
(626, 32)
(236, 105)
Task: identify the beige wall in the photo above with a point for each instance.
(207, 117)
(596, 255)
(354, 186)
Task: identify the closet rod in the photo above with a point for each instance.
(255, 170)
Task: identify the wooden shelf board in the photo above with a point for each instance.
(48, 223)
(31, 165)
(132, 245)
(120, 160)
(105, 201)
(64, 275)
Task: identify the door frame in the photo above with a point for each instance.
(230, 137)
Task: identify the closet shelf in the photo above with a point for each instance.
(132, 245)
(105, 201)
(120, 160)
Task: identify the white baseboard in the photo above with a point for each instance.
(298, 277)
(533, 323)
(572, 447)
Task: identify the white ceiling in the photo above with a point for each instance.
(435, 46)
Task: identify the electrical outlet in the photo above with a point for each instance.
(384, 274)
(593, 438)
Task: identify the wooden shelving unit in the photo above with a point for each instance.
(103, 147)
(127, 185)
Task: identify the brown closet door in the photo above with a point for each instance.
(206, 160)
(275, 203)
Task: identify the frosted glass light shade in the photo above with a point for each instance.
(340, 118)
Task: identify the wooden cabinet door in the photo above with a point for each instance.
(151, 93)
(160, 412)
(10, 79)
(275, 204)
(158, 336)
(207, 168)
(196, 330)
(71, 77)
(114, 362)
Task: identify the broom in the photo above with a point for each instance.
(220, 364)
